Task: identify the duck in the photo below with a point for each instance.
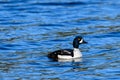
(68, 54)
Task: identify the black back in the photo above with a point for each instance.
(54, 55)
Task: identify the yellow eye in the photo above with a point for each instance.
(79, 39)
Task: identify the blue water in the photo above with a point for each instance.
(30, 29)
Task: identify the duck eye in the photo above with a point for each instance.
(79, 39)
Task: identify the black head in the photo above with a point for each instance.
(78, 40)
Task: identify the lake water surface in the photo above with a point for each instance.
(30, 29)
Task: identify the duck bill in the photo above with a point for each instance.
(84, 42)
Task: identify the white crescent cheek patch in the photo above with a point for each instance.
(81, 41)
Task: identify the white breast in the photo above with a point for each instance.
(77, 53)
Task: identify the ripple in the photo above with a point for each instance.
(29, 30)
(60, 3)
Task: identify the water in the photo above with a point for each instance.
(30, 29)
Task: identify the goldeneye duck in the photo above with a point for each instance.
(68, 53)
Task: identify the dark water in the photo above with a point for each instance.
(30, 29)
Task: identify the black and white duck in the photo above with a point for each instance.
(68, 53)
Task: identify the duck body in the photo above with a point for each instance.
(65, 54)
(68, 53)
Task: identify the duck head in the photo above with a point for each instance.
(77, 41)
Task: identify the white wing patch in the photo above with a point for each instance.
(65, 57)
(67, 52)
(77, 54)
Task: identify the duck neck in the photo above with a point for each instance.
(75, 44)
